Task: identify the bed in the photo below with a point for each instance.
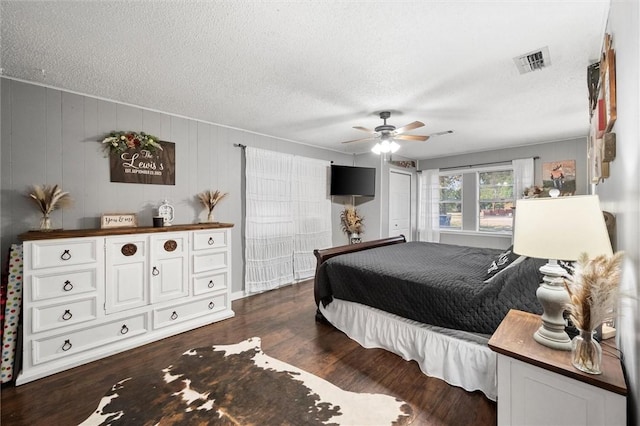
(437, 304)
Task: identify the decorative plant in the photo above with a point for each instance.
(593, 293)
(48, 198)
(532, 192)
(119, 142)
(351, 221)
(209, 200)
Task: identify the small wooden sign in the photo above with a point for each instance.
(119, 220)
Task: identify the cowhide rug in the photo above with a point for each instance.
(240, 385)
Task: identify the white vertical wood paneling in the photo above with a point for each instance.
(51, 136)
(53, 142)
(92, 160)
(74, 170)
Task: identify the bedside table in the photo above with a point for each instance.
(538, 385)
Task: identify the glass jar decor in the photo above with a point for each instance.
(586, 352)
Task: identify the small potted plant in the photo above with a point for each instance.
(352, 223)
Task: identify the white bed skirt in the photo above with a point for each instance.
(459, 358)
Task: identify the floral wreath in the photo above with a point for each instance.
(118, 142)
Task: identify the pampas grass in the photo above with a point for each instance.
(351, 221)
(593, 293)
(49, 198)
(593, 289)
(209, 199)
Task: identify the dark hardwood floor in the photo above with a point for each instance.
(284, 320)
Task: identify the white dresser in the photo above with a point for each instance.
(538, 385)
(89, 294)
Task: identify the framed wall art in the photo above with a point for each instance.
(608, 83)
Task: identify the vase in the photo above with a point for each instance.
(45, 223)
(210, 218)
(586, 352)
(354, 238)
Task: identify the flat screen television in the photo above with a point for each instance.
(349, 180)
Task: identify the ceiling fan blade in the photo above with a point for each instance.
(412, 137)
(359, 140)
(409, 126)
(364, 129)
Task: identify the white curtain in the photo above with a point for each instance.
(288, 216)
(269, 226)
(523, 175)
(429, 206)
(312, 214)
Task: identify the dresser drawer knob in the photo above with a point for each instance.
(174, 315)
(67, 315)
(66, 345)
(211, 305)
(211, 284)
(67, 286)
(211, 242)
(65, 255)
(155, 271)
(124, 329)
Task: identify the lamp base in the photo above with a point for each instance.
(553, 297)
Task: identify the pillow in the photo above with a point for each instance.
(504, 261)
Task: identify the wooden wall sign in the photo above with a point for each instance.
(157, 167)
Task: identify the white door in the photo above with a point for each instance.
(400, 204)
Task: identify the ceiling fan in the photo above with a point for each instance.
(387, 133)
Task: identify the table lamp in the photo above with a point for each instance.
(558, 229)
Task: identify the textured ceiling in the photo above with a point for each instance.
(308, 71)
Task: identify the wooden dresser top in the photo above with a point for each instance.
(76, 233)
(514, 338)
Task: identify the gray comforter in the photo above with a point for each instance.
(438, 284)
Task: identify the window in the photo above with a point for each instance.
(451, 201)
(495, 201)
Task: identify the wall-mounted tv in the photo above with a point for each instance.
(348, 180)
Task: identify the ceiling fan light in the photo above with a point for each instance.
(385, 146)
(394, 146)
(376, 149)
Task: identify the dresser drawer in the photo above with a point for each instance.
(47, 254)
(68, 344)
(63, 314)
(210, 283)
(209, 261)
(50, 286)
(175, 314)
(204, 240)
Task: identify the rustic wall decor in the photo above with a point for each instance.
(141, 165)
(119, 220)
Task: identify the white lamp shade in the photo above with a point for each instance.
(560, 228)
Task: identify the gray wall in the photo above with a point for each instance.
(574, 149)
(619, 194)
(51, 136)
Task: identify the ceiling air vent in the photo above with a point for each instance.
(533, 61)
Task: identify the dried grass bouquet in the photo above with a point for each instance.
(351, 221)
(593, 290)
(48, 198)
(209, 199)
